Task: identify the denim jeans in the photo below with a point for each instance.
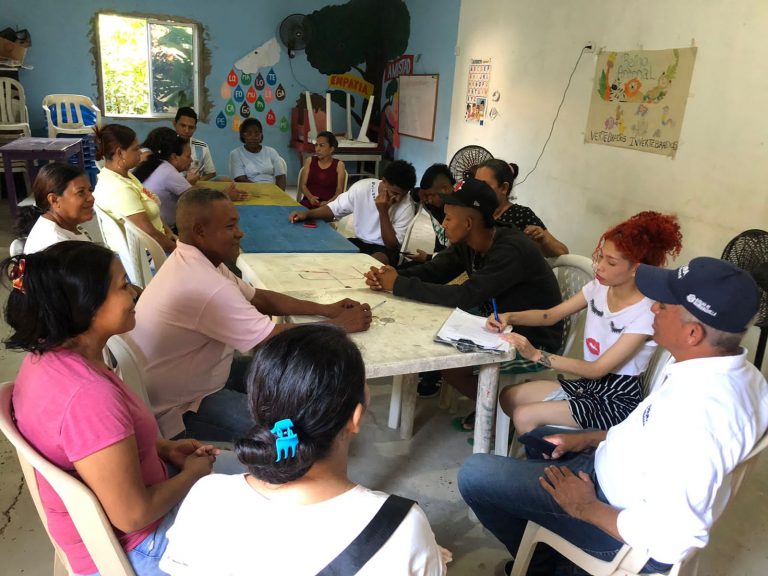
(505, 493)
(145, 558)
(224, 415)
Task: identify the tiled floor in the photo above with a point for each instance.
(423, 468)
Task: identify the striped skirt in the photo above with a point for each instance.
(602, 403)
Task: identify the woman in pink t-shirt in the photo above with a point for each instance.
(65, 303)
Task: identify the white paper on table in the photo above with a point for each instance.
(462, 325)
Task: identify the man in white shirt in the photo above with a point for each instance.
(202, 167)
(382, 208)
(658, 480)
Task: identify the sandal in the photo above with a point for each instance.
(464, 423)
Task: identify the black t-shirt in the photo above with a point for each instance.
(513, 271)
(520, 216)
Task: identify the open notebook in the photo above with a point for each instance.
(467, 333)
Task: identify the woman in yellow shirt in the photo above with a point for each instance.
(119, 193)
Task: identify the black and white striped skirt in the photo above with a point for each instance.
(602, 403)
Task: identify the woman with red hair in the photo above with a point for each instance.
(617, 334)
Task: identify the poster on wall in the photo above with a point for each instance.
(638, 99)
(247, 93)
(390, 101)
(477, 91)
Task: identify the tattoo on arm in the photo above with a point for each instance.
(546, 315)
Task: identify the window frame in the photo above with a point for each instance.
(197, 51)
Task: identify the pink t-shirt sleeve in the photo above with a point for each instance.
(95, 417)
(229, 317)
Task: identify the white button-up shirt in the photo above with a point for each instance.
(667, 465)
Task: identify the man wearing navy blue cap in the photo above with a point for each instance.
(658, 480)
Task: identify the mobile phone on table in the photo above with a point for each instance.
(536, 444)
(310, 224)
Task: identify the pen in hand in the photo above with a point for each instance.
(495, 311)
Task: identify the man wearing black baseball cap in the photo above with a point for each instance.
(658, 480)
(501, 263)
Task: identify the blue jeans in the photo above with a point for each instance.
(505, 493)
(224, 415)
(145, 558)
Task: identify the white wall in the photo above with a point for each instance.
(716, 184)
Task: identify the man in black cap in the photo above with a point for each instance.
(501, 263)
(658, 480)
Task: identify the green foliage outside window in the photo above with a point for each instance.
(147, 67)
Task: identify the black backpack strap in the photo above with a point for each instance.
(371, 539)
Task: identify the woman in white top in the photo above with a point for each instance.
(296, 509)
(254, 162)
(119, 193)
(63, 200)
(617, 334)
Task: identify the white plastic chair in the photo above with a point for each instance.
(405, 245)
(573, 272)
(627, 562)
(139, 242)
(14, 122)
(13, 104)
(114, 237)
(656, 371)
(85, 510)
(128, 366)
(69, 106)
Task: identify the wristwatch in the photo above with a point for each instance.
(545, 360)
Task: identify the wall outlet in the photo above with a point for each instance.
(589, 47)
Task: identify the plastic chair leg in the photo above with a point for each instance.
(503, 422)
(58, 566)
(525, 550)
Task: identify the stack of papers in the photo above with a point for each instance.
(467, 333)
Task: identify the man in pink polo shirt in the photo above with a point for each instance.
(195, 313)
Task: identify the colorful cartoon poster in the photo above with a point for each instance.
(390, 99)
(638, 99)
(478, 83)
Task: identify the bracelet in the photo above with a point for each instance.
(545, 360)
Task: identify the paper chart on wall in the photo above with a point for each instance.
(638, 99)
(478, 82)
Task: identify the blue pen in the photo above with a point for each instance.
(495, 310)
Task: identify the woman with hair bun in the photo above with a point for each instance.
(63, 200)
(617, 334)
(296, 509)
(500, 176)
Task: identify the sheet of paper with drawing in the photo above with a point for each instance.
(467, 333)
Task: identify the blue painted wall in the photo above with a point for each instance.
(62, 61)
(434, 33)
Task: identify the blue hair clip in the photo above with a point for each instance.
(285, 439)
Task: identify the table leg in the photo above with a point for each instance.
(32, 170)
(487, 395)
(395, 402)
(10, 185)
(410, 384)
